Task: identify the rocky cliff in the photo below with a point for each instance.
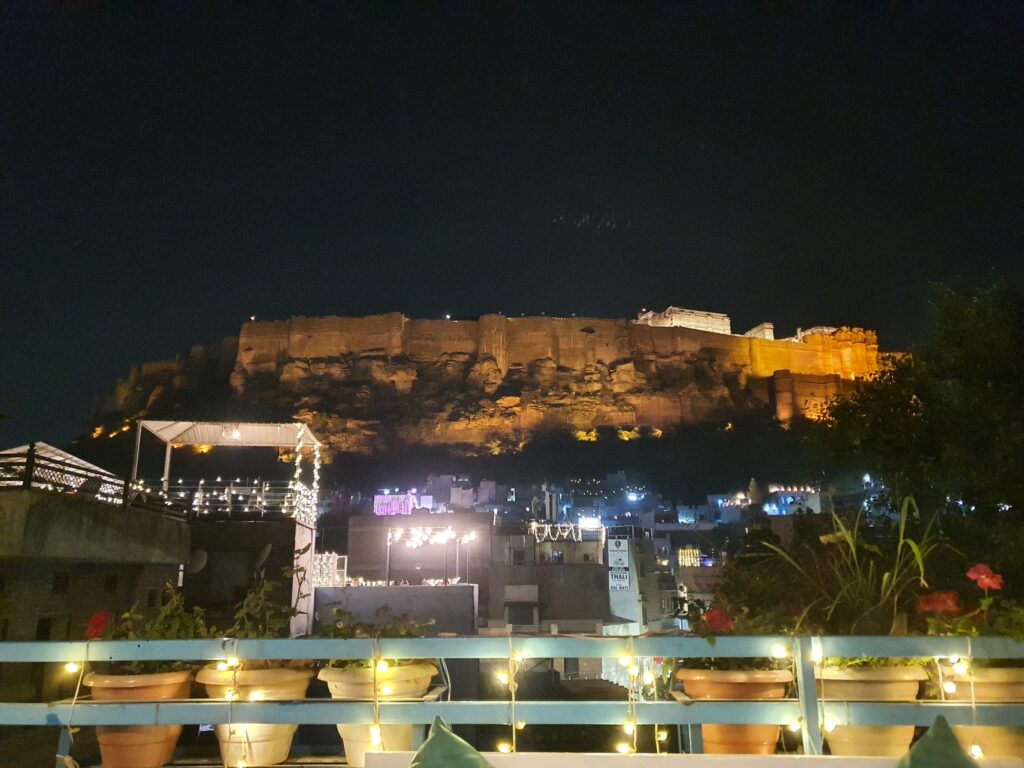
(382, 381)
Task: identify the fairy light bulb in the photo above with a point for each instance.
(375, 735)
(256, 696)
(625, 661)
(817, 655)
(949, 686)
(623, 748)
(634, 670)
(504, 747)
(648, 677)
(794, 727)
(222, 666)
(386, 690)
(662, 735)
(232, 662)
(241, 763)
(779, 651)
(503, 678)
(629, 726)
(830, 725)
(519, 656)
(382, 666)
(520, 724)
(976, 751)
(960, 668)
(954, 659)
(71, 667)
(231, 694)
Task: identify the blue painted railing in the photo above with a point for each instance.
(803, 651)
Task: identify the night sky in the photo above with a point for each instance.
(168, 169)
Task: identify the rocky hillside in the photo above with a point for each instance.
(378, 383)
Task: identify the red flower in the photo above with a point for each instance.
(983, 576)
(939, 602)
(718, 620)
(97, 624)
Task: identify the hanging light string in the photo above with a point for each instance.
(376, 737)
(67, 759)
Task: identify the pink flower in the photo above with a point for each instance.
(983, 576)
(939, 602)
(718, 620)
(97, 624)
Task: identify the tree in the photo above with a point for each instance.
(946, 422)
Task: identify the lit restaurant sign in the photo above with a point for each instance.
(394, 504)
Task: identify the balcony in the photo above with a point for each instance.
(804, 708)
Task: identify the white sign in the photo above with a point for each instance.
(618, 581)
(618, 553)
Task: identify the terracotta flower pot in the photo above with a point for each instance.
(892, 683)
(1000, 684)
(740, 684)
(256, 743)
(400, 681)
(138, 746)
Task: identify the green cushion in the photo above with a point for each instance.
(443, 749)
(938, 748)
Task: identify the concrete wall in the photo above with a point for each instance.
(42, 524)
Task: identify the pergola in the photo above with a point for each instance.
(294, 436)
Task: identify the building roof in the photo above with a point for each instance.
(287, 435)
(47, 451)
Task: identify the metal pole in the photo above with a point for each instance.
(387, 562)
(138, 441)
(30, 465)
(167, 467)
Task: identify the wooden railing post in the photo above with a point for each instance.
(30, 465)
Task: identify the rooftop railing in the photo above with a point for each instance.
(231, 499)
(806, 708)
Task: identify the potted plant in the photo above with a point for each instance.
(356, 679)
(731, 678)
(865, 585)
(258, 615)
(142, 746)
(990, 680)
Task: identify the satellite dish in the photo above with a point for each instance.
(197, 561)
(262, 558)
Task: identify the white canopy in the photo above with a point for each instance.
(47, 451)
(231, 433)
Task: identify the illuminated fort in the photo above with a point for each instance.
(368, 382)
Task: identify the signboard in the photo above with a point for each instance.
(618, 580)
(618, 553)
(396, 504)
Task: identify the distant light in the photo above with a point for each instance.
(447, 317)
(632, 496)
(867, 478)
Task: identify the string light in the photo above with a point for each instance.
(232, 662)
(256, 696)
(504, 747)
(779, 651)
(830, 724)
(648, 677)
(375, 738)
(816, 655)
(794, 727)
(71, 667)
(241, 763)
(503, 678)
(949, 686)
(520, 724)
(662, 735)
(623, 748)
(625, 661)
(231, 694)
(222, 666)
(629, 727)
(960, 668)
(634, 670)
(382, 666)
(386, 690)
(976, 752)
